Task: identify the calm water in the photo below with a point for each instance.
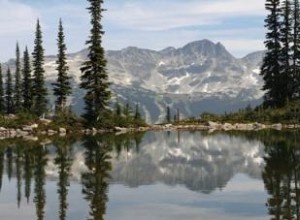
(165, 176)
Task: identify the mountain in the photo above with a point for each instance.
(200, 76)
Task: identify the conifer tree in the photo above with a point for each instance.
(9, 93)
(18, 89)
(270, 69)
(295, 68)
(137, 114)
(2, 102)
(39, 89)
(94, 73)
(27, 83)
(118, 110)
(168, 116)
(286, 37)
(62, 87)
(127, 111)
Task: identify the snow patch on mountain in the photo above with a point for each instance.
(200, 76)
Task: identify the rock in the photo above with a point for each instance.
(2, 129)
(258, 126)
(51, 132)
(119, 129)
(168, 126)
(34, 126)
(22, 133)
(45, 121)
(10, 116)
(62, 130)
(87, 131)
(227, 126)
(27, 128)
(290, 126)
(143, 129)
(30, 138)
(244, 127)
(12, 133)
(277, 126)
(213, 125)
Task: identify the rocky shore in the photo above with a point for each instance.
(226, 126)
(32, 131)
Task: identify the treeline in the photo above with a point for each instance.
(25, 89)
(281, 64)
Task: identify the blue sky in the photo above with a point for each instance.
(152, 24)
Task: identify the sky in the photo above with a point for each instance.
(151, 24)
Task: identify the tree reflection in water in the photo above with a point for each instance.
(27, 162)
(63, 160)
(40, 153)
(281, 174)
(95, 181)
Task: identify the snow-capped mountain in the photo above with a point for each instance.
(201, 76)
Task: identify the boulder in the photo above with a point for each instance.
(27, 128)
(119, 129)
(31, 138)
(213, 125)
(51, 132)
(34, 126)
(227, 126)
(277, 126)
(62, 130)
(45, 121)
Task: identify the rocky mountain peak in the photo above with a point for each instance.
(200, 76)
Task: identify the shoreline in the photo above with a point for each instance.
(33, 131)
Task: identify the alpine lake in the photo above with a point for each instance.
(167, 175)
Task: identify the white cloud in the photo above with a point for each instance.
(237, 41)
(16, 17)
(240, 47)
(173, 14)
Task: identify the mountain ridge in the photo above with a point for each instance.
(199, 76)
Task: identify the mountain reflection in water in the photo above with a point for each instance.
(82, 171)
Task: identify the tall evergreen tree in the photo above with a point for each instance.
(2, 101)
(94, 74)
(18, 89)
(118, 109)
(39, 89)
(286, 38)
(168, 116)
(9, 93)
(295, 68)
(62, 87)
(270, 69)
(137, 114)
(27, 83)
